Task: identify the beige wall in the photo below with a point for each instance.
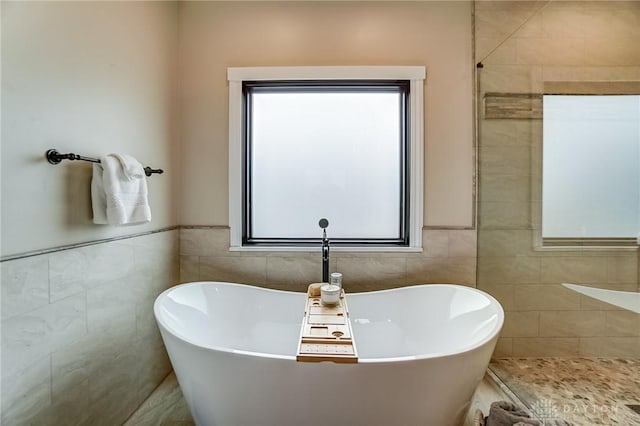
(523, 45)
(90, 78)
(217, 35)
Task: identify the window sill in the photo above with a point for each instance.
(587, 244)
(584, 248)
(265, 249)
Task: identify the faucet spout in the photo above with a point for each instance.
(325, 257)
(324, 223)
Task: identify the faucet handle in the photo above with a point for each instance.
(324, 223)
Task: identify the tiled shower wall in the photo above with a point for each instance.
(449, 256)
(521, 46)
(79, 341)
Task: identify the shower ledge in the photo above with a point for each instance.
(623, 299)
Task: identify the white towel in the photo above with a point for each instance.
(131, 167)
(124, 187)
(98, 197)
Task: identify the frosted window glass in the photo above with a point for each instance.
(333, 155)
(591, 166)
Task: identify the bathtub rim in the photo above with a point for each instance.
(493, 335)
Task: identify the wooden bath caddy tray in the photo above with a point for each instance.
(325, 334)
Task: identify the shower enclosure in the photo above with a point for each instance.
(531, 57)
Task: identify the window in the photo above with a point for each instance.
(334, 142)
(591, 169)
(329, 149)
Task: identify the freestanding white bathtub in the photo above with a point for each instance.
(422, 352)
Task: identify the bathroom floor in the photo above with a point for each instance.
(584, 391)
(167, 407)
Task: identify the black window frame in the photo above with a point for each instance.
(402, 87)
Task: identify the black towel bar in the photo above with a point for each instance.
(54, 157)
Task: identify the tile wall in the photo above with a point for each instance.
(522, 45)
(449, 257)
(79, 341)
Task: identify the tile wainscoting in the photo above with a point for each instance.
(80, 345)
(449, 256)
